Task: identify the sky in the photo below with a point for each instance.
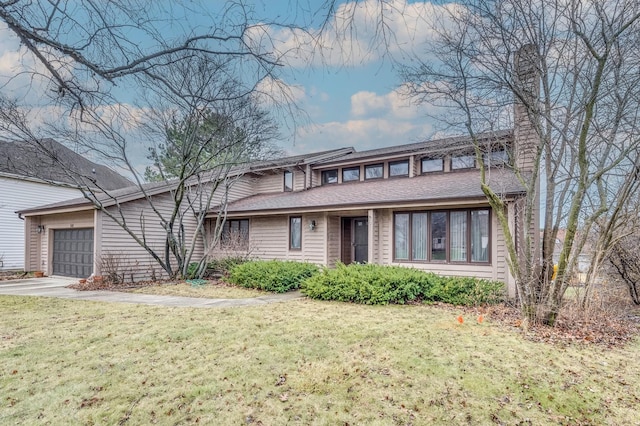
(349, 91)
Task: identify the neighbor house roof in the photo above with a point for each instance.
(420, 189)
(49, 161)
(134, 192)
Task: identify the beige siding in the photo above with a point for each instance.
(82, 219)
(270, 182)
(32, 244)
(333, 240)
(298, 180)
(269, 239)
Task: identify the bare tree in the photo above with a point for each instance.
(94, 57)
(571, 68)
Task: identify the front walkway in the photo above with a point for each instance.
(56, 287)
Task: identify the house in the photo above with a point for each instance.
(33, 175)
(418, 205)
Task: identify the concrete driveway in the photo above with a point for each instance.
(56, 287)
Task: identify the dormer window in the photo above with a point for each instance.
(288, 181)
(350, 174)
(399, 168)
(460, 162)
(329, 176)
(373, 171)
(430, 165)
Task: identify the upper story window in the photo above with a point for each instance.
(399, 168)
(463, 162)
(496, 158)
(329, 176)
(373, 171)
(432, 165)
(288, 181)
(350, 174)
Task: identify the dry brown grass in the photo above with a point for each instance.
(301, 362)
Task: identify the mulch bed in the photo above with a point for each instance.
(602, 329)
(13, 275)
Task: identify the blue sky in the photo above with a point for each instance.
(348, 88)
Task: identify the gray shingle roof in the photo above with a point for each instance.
(436, 146)
(419, 189)
(50, 161)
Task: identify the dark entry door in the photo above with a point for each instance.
(360, 240)
(73, 252)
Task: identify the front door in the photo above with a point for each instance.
(360, 240)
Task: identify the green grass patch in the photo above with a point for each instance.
(273, 275)
(302, 362)
(376, 284)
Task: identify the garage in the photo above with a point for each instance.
(73, 252)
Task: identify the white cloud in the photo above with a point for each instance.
(393, 104)
(273, 91)
(360, 134)
(358, 33)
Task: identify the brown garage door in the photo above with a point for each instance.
(73, 252)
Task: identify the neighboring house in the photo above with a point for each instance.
(31, 177)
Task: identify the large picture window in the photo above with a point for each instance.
(295, 233)
(442, 236)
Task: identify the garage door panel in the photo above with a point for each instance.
(73, 252)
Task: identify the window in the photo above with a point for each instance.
(351, 174)
(401, 232)
(295, 233)
(373, 171)
(288, 181)
(440, 236)
(496, 158)
(432, 165)
(458, 240)
(480, 236)
(463, 162)
(329, 176)
(235, 234)
(399, 168)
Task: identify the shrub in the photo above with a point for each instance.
(375, 284)
(273, 275)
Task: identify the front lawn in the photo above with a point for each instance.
(302, 362)
(209, 290)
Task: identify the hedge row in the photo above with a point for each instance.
(273, 275)
(365, 283)
(375, 285)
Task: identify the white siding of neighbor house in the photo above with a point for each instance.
(18, 194)
(81, 219)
